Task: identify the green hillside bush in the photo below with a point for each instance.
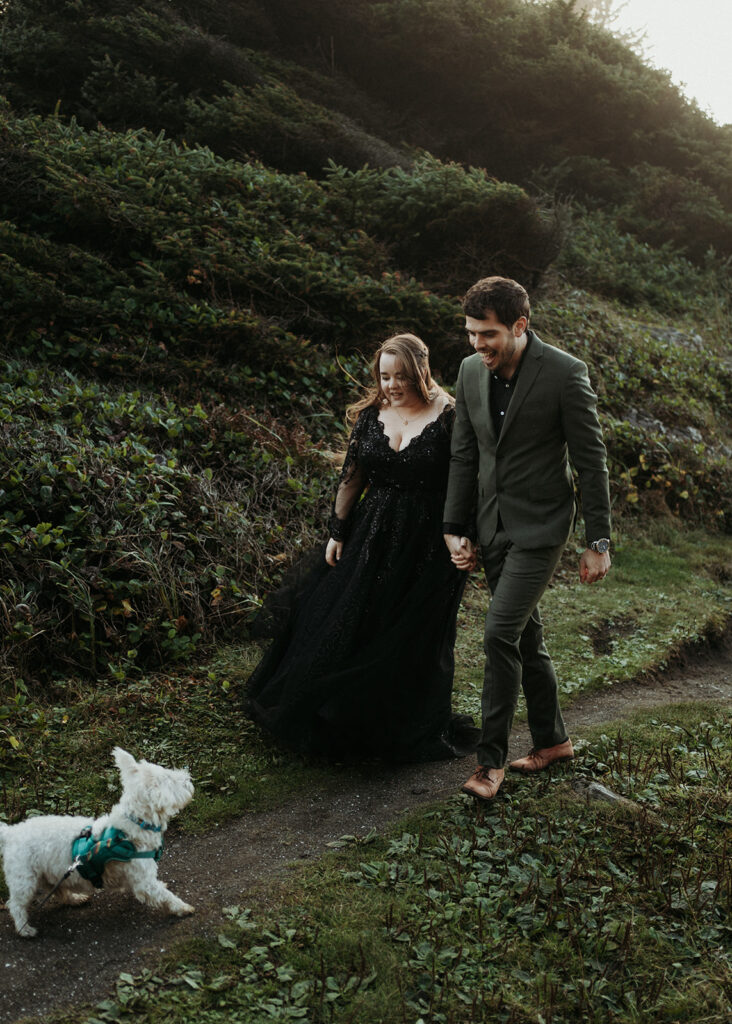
(665, 399)
(129, 66)
(133, 528)
(599, 255)
(514, 87)
(271, 122)
(449, 225)
(183, 325)
(149, 65)
(128, 251)
(517, 87)
(663, 207)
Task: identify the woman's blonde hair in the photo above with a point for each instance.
(414, 359)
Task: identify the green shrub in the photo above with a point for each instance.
(665, 398)
(665, 208)
(133, 253)
(131, 528)
(520, 89)
(271, 122)
(599, 255)
(447, 224)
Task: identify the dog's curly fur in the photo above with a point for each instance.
(37, 851)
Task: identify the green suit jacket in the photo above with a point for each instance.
(525, 474)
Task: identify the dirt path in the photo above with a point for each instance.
(81, 951)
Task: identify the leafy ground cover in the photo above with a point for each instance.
(541, 907)
(132, 525)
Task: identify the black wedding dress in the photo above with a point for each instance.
(361, 664)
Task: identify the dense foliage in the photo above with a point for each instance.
(130, 249)
(183, 323)
(525, 90)
(130, 524)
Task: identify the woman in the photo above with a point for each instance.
(362, 661)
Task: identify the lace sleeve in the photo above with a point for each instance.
(351, 483)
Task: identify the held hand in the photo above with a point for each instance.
(333, 551)
(468, 556)
(593, 566)
(462, 552)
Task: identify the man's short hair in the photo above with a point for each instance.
(501, 295)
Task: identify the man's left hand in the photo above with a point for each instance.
(462, 552)
(593, 566)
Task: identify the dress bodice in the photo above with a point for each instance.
(422, 464)
(371, 464)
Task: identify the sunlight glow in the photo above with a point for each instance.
(691, 40)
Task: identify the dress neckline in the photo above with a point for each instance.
(425, 428)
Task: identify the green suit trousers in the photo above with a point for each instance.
(516, 656)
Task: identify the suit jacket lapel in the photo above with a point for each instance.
(485, 399)
(530, 368)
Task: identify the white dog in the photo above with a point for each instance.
(38, 852)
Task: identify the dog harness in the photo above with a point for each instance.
(90, 855)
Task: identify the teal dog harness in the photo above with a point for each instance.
(90, 855)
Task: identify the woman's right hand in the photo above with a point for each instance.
(333, 551)
(462, 552)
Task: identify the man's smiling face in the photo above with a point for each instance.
(499, 346)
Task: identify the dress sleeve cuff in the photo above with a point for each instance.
(461, 530)
(338, 528)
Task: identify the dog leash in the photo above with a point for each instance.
(112, 845)
(62, 879)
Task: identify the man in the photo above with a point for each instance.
(524, 409)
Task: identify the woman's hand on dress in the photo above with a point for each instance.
(333, 551)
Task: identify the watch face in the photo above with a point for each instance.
(601, 546)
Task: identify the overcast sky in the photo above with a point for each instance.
(691, 39)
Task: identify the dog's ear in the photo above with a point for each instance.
(123, 760)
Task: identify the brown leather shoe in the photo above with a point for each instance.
(538, 760)
(484, 783)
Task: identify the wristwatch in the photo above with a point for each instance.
(600, 546)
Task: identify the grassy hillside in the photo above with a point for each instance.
(530, 91)
(211, 212)
(183, 323)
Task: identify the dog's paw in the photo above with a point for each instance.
(74, 898)
(185, 909)
(27, 931)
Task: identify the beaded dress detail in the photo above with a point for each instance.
(361, 664)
